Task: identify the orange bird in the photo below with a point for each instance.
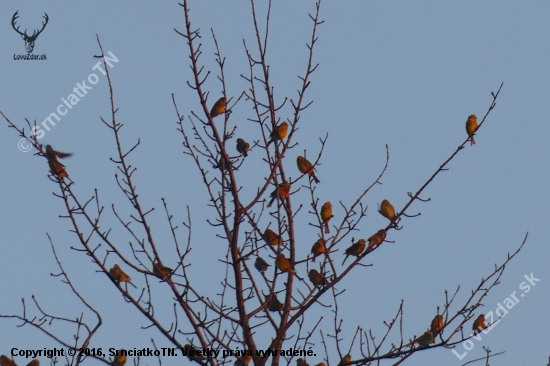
(279, 132)
(120, 358)
(345, 360)
(377, 239)
(118, 274)
(326, 215)
(386, 209)
(282, 190)
(5, 361)
(356, 249)
(284, 264)
(437, 325)
(317, 278)
(304, 166)
(218, 107)
(56, 167)
(479, 324)
(471, 127)
(271, 238)
(318, 248)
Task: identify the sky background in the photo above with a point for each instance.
(405, 74)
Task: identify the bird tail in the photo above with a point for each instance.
(327, 228)
(345, 259)
(472, 141)
(271, 202)
(315, 178)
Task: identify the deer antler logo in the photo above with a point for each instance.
(29, 40)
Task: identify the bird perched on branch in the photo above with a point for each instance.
(355, 249)
(437, 325)
(386, 209)
(272, 303)
(345, 360)
(243, 361)
(161, 272)
(278, 133)
(191, 353)
(119, 275)
(317, 278)
(260, 264)
(318, 248)
(479, 324)
(282, 191)
(326, 215)
(377, 239)
(120, 358)
(56, 167)
(5, 361)
(218, 107)
(471, 126)
(305, 167)
(284, 264)
(425, 339)
(271, 238)
(243, 147)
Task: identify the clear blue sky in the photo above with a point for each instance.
(406, 74)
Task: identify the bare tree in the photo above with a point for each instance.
(266, 290)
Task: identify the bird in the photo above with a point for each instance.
(386, 209)
(279, 132)
(318, 248)
(272, 303)
(437, 325)
(304, 166)
(243, 147)
(35, 362)
(161, 271)
(284, 264)
(301, 362)
(120, 358)
(221, 164)
(56, 167)
(425, 339)
(321, 364)
(345, 360)
(377, 239)
(479, 324)
(191, 353)
(326, 215)
(52, 154)
(218, 107)
(271, 238)
(118, 274)
(5, 361)
(282, 191)
(317, 278)
(243, 361)
(471, 126)
(260, 264)
(355, 249)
